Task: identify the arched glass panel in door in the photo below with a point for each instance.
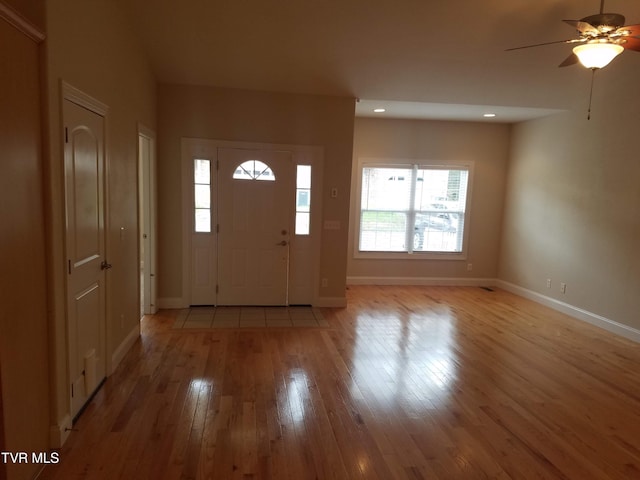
(254, 170)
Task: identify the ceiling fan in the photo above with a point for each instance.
(601, 38)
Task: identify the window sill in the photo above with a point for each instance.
(449, 256)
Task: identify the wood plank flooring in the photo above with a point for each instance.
(406, 383)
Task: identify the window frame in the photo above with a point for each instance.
(194, 188)
(309, 191)
(410, 164)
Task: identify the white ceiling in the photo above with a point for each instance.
(418, 58)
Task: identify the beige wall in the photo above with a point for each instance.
(486, 145)
(90, 46)
(23, 311)
(238, 115)
(573, 200)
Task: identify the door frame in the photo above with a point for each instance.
(302, 155)
(3, 467)
(147, 215)
(77, 96)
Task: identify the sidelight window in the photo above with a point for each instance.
(202, 195)
(303, 199)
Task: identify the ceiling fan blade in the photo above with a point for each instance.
(609, 20)
(628, 30)
(573, 40)
(570, 60)
(582, 27)
(631, 43)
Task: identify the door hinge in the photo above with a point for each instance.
(217, 165)
(69, 266)
(217, 288)
(66, 135)
(72, 393)
(217, 228)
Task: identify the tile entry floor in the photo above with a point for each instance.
(249, 317)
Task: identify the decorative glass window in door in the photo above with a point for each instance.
(303, 199)
(202, 195)
(254, 170)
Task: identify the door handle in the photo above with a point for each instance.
(283, 243)
(105, 266)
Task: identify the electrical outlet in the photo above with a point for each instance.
(469, 267)
(548, 283)
(324, 283)
(563, 287)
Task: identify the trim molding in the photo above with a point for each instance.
(59, 433)
(124, 347)
(19, 22)
(179, 303)
(573, 311)
(430, 281)
(77, 96)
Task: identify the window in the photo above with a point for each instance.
(254, 170)
(202, 195)
(303, 199)
(413, 208)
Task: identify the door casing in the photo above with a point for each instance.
(78, 391)
(304, 250)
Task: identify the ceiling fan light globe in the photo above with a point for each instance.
(597, 55)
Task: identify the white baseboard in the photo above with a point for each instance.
(428, 281)
(170, 303)
(573, 311)
(58, 434)
(124, 347)
(178, 303)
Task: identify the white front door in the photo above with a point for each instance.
(85, 242)
(255, 194)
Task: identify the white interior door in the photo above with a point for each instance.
(147, 224)
(85, 241)
(255, 194)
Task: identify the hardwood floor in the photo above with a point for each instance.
(407, 383)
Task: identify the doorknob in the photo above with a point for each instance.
(105, 266)
(283, 243)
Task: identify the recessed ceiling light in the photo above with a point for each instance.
(380, 110)
(489, 115)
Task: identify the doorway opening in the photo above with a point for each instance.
(252, 226)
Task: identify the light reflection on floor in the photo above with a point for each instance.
(297, 394)
(415, 367)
